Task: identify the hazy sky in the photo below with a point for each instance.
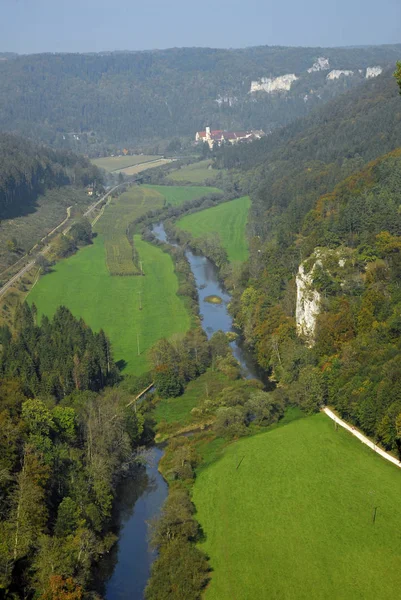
(28, 26)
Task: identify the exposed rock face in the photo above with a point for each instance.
(321, 64)
(228, 100)
(373, 72)
(308, 304)
(336, 74)
(276, 84)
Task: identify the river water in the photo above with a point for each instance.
(126, 569)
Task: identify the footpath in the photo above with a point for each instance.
(362, 437)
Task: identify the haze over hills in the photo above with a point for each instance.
(87, 101)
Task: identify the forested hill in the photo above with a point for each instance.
(288, 171)
(28, 170)
(319, 300)
(72, 100)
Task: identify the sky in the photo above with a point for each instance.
(29, 26)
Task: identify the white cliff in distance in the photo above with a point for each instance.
(336, 74)
(321, 64)
(274, 84)
(373, 72)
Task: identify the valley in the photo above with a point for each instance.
(207, 326)
(103, 285)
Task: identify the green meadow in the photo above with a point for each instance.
(197, 172)
(178, 194)
(83, 284)
(295, 519)
(228, 220)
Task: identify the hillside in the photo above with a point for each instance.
(71, 100)
(28, 170)
(320, 301)
(39, 187)
(287, 171)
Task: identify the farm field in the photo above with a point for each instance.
(113, 226)
(228, 220)
(178, 194)
(295, 520)
(135, 169)
(83, 284)
(115, 163)
(194, 173)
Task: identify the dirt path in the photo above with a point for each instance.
(362, 437)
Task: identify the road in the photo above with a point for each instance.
(362, 437)
(26, 268)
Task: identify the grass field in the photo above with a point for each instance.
(83, 284)
(228, 220)
(195, 173)
(113, 226)
(295, 520)
(176, 194)
(115, 163)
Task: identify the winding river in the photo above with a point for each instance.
(126, 569)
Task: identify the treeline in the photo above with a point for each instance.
(28, 170)
(72, 100)
(63, 441)
(57, 357)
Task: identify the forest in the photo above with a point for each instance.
(28, 170)
(87, 102)
(64, 439)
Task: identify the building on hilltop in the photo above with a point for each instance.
(219, 137)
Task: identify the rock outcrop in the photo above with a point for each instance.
(308, 304)
(336, 74)
(275, 84)
(373, 72)
(321, 64)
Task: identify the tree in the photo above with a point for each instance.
(81, 232)
(62, 588)
(397, 74)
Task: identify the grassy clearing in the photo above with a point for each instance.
(115, 163)
(113, 227)
(83, 284)
(228, 220)
(295, 520)
(194, 173)
(178, 194)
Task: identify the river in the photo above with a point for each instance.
(126, 569)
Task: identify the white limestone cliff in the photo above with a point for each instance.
(274, 84)
(308, 304)
(373, 72)
(229, 100)
(321, 64)
(336, 74)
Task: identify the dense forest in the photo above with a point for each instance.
(89, 101)
(28, 170)
(325, 207)
(64, 438)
